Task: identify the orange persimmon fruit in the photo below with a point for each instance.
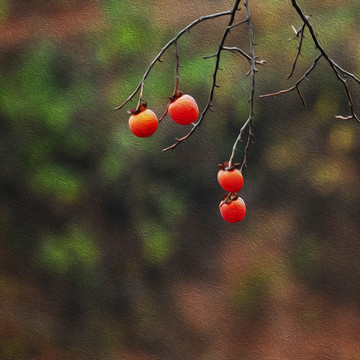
(184, 110)
(233, 210)
(230, 180)
(144, 123)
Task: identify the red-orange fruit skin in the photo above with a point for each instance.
(234, 211)
(230, 180)
(184, 110)
(143, 124)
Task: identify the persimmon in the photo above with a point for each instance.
(231, 180)
(184, 109)
(233, 208)
(143, 123)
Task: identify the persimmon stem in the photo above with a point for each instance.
(177, 69)
(141, 95)
(176, 89)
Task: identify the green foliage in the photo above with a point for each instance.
(157, 244)
(73, 249)
(3, 10)
(252, 291)
(127, 37)
(57, 182)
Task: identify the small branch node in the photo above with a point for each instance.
(261, 62)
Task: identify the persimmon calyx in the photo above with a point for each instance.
(141, 107)
(228, 198)
(226, 167)
(177, 93)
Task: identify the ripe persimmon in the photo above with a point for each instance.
(184, 110)
(143, 123)
(230, 180)
(232, 209)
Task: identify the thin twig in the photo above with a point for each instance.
(300, 33)
(209, 56)
(248, 143)
(158, 56)
(177, 67)
(165, 112)
(249, 121)
(296, 32)
(214, 83)
(176, 89)
(238, 23)
(141, 94)
(244, 54)
(347, 73)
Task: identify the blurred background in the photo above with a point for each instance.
(111, 249)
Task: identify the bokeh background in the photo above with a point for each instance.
(111, 249)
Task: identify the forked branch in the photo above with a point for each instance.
(300, 34)
(244, 54)
(172, 41)
(296, 86)
(340, 73)
(214, 82)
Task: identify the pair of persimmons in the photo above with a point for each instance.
(184, 110)
(232, 207)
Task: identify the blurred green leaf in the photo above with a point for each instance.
(4, 10)
(59, 182)
(157, 244)
(64, 252)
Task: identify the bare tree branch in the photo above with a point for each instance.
(296, 86)
(244, 54)
(238, 23)
(214, 82)
(158, 56)
(299, 33)
(335, 67)
(249, 121)
(331, 62)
